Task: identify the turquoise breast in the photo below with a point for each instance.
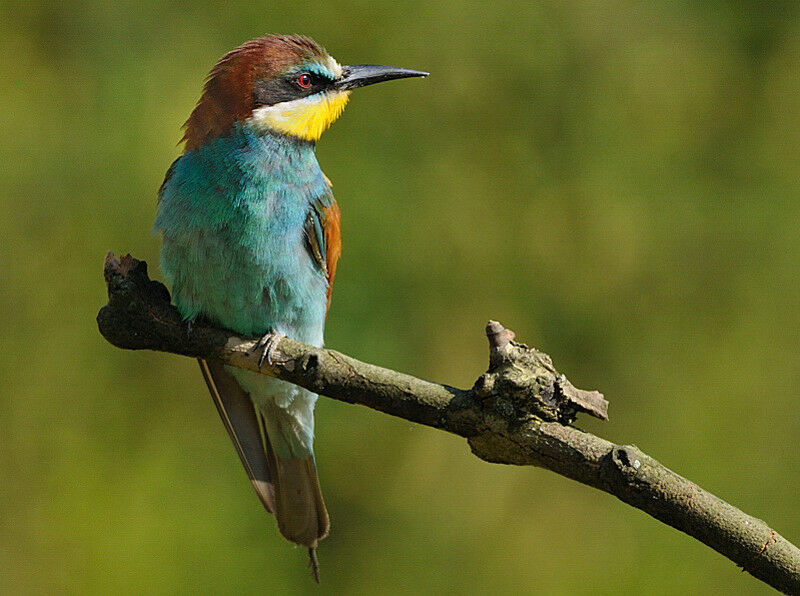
(232, 217)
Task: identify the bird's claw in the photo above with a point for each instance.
(267, 345)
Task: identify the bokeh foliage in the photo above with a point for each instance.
(616, 181)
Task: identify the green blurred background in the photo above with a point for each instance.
(616, 181)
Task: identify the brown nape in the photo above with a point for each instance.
(228, 93)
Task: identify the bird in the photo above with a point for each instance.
(251, 239)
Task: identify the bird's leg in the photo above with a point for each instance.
(267, 343)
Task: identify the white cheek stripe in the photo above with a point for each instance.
(306, 118)
(282, 113)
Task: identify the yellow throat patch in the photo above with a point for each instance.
(305, 118)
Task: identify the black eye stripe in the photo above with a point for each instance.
(316, 79)
(267, 92)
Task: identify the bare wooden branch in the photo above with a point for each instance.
(518, 412)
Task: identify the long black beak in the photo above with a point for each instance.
(361, 75)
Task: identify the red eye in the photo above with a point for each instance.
(304, 81)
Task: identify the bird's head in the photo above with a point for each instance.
(286, 84)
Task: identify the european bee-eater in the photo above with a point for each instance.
(251, 240)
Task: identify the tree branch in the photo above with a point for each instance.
(518, 412)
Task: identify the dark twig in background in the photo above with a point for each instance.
(518, 412)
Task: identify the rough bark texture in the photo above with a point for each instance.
(518, 412)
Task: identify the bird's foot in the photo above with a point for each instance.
(267, 345)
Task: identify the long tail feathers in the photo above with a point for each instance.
(288, 487)
(313, 562)
(237, 413)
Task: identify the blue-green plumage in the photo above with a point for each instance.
(233, 218)
(251, 239)
(232, 214)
